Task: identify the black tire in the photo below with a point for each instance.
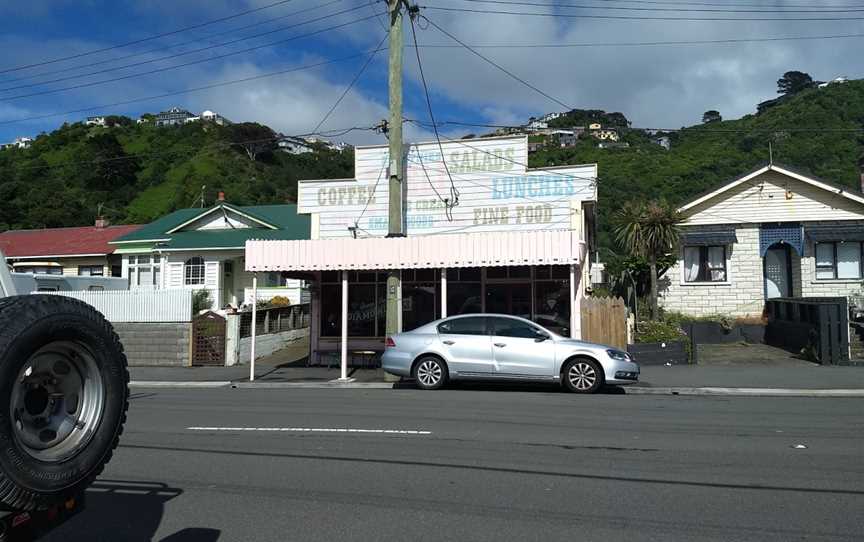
(51, 346)
(582, 375)
(430, 373)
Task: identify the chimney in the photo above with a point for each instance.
(101, 223)
(221, 196)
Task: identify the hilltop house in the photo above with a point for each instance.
(773, 232)
(174, 116)
(84, 251)
(202, 249)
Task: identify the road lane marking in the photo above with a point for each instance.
(313, 430)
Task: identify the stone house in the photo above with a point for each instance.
(773, 232)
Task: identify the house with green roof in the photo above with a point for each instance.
(203, 249)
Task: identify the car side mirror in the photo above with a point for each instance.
(541, 337)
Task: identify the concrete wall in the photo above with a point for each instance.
(741, 295)
(163, 344)
(267, 344)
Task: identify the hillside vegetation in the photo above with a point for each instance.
(138, 172)
(135, 173)
(806, 132)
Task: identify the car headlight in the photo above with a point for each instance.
(618, 355)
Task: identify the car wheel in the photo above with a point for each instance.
(582, 375)
(430, 373)
(63, 398)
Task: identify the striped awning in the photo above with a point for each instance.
(702, 238)
(493, 249)
(834, 232)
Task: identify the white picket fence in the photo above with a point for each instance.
(138, 305)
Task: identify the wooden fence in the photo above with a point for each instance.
(604, 321)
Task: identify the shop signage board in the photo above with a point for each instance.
(496, 192)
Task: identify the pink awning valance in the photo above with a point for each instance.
(493, 249)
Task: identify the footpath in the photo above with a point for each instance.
(793, 379)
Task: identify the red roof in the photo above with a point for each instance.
(62, 241)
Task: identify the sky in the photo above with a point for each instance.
(67, 59)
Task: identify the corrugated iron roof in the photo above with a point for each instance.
(62, 241)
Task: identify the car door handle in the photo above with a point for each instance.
(448, 343)
(500, 345)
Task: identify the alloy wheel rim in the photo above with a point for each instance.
(582, 376)
(57, 401)
(429, 372)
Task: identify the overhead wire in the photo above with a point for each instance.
(351, 84)
(187, 90)
(206, 37)
(192, 62)
(454, 192)
(640, 43)
(636, 17)
(496, 65)
(672, 9)
(143, 40)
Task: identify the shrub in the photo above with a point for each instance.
(279, 301)
(660, 332)
(201, 301)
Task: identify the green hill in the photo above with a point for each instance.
(138, 172)
(134, 173)
(806, 131)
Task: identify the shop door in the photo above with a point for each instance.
(512, 299)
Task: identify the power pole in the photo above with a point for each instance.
(394, 281)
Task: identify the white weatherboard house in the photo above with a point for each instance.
(771, 233)
(516, 243)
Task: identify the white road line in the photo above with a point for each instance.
(313, 430)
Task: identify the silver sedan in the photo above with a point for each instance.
(502, 347)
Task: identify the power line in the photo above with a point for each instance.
(638, 18)
(725, 4)
(454, 193)
(351, 84)
(655, 9)
(641, 43)
(492, 62)
(157, 49)
(186, 91)
(190, 63)
(142, 40)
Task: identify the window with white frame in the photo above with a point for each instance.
(144, 271)
(193, 271)
(838, 260)
(705, 264)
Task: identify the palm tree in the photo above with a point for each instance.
(649, 230)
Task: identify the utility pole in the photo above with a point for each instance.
(395, 220)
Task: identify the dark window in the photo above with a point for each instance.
(552, 305)
(509, 327)
(330, 276)
(472, 325)
(463, 298)
(705, 264)
(419, 304)
(361, 310)
(90, 270)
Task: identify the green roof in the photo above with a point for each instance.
(284, 218)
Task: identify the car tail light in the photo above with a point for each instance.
(389, 343)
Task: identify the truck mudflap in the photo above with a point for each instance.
(21, 526)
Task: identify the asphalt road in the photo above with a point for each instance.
(478, 465)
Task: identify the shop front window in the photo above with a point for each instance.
(552, 305)
(419, 304)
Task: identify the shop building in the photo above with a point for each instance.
(516, 242)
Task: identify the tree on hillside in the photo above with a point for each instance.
(253, 138)
(648, 230)
(711, 116)
(794, 82)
